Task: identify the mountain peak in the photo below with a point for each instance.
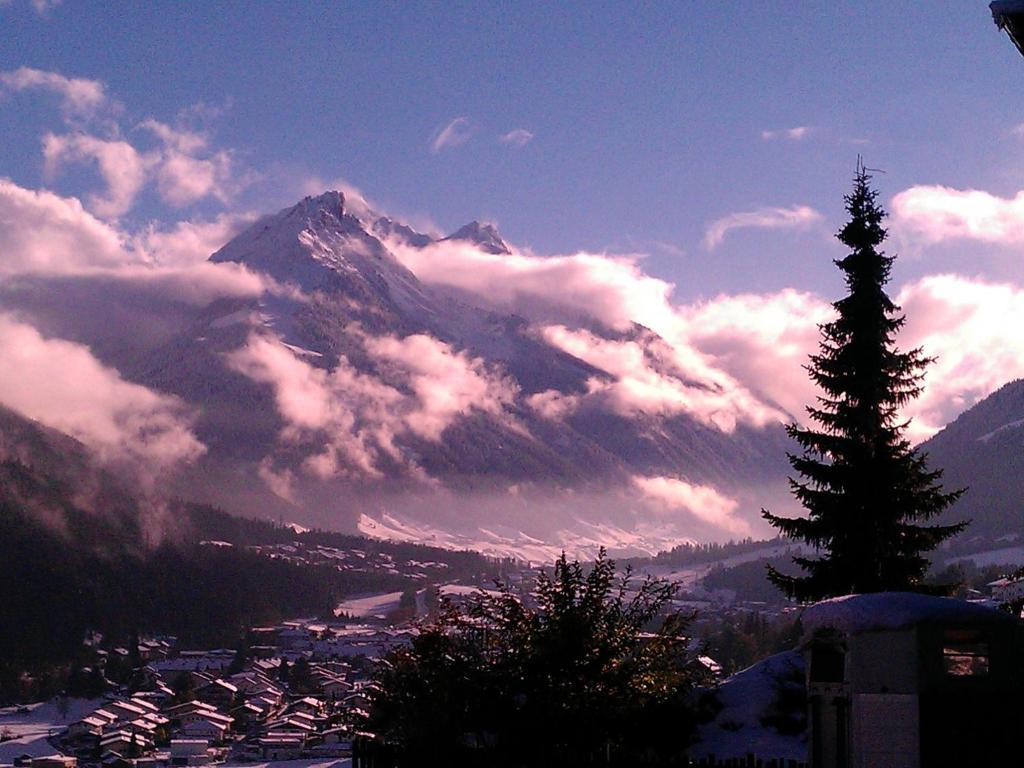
(331, 201)
(485, 236)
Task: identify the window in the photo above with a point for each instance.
(964, 654)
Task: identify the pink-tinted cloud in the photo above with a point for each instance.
(456, 132)
(792, 134)
(121, 166)
(763, 341)
(972, 329)
(60, 384)
(79, 96)
(730, 359)
(45, 234)
(645, 376)
(445, 383)
(188, 243)
(797, 217)
(702, 501)
(41, 232)
(349, 420)
(518, 138)
(934, 214)
(611, 289)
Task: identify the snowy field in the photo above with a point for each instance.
(32, 728)
(372, 605)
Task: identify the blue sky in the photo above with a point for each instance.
(648, 122)
(679, 165)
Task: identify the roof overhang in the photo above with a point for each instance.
(1009, 16)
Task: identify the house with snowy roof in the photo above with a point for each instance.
(209, 729)
(901, 680)
(219, 693)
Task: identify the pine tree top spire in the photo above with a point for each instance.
(866, 491)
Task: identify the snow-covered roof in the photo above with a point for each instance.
(894, 610)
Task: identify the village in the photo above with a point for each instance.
(298, 692)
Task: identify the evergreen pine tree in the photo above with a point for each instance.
(865, 489)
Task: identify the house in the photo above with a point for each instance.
(219, 693)
(202, 715)
(292, 725)
(88, 727)
(246, 714)
(142, 725)
(309, 705)
(143, 703)
(124, 711)
(190, 752)
(181, 713)
(273, 748)
(206, 729)
(101, 714)
(55, 761)
(896, 680)
(126, 743)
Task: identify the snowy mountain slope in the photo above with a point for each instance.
(983, 450)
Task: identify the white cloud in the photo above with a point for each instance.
(456, 132)
(796, 217)
(733, 358)
(61, 384)
(79, 96)
(445, 383)
(702, 501)
(41, 232)
(651, 376)
(188, 243)
(762, 340)
(793, 134)
(934, 214)
(561, 293)
(350, 420)
(179, 139)
(518, 138)
(186, 172)
(45, 234)
(183, 179)
(612, 289)
(121, 166)
(972, 328)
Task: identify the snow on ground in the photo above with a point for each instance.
(371, 605)
(1004, 556)
(31, 728)
(746, 698)
(690, 576)
(461, 590)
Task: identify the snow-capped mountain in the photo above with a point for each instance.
(353, 394)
